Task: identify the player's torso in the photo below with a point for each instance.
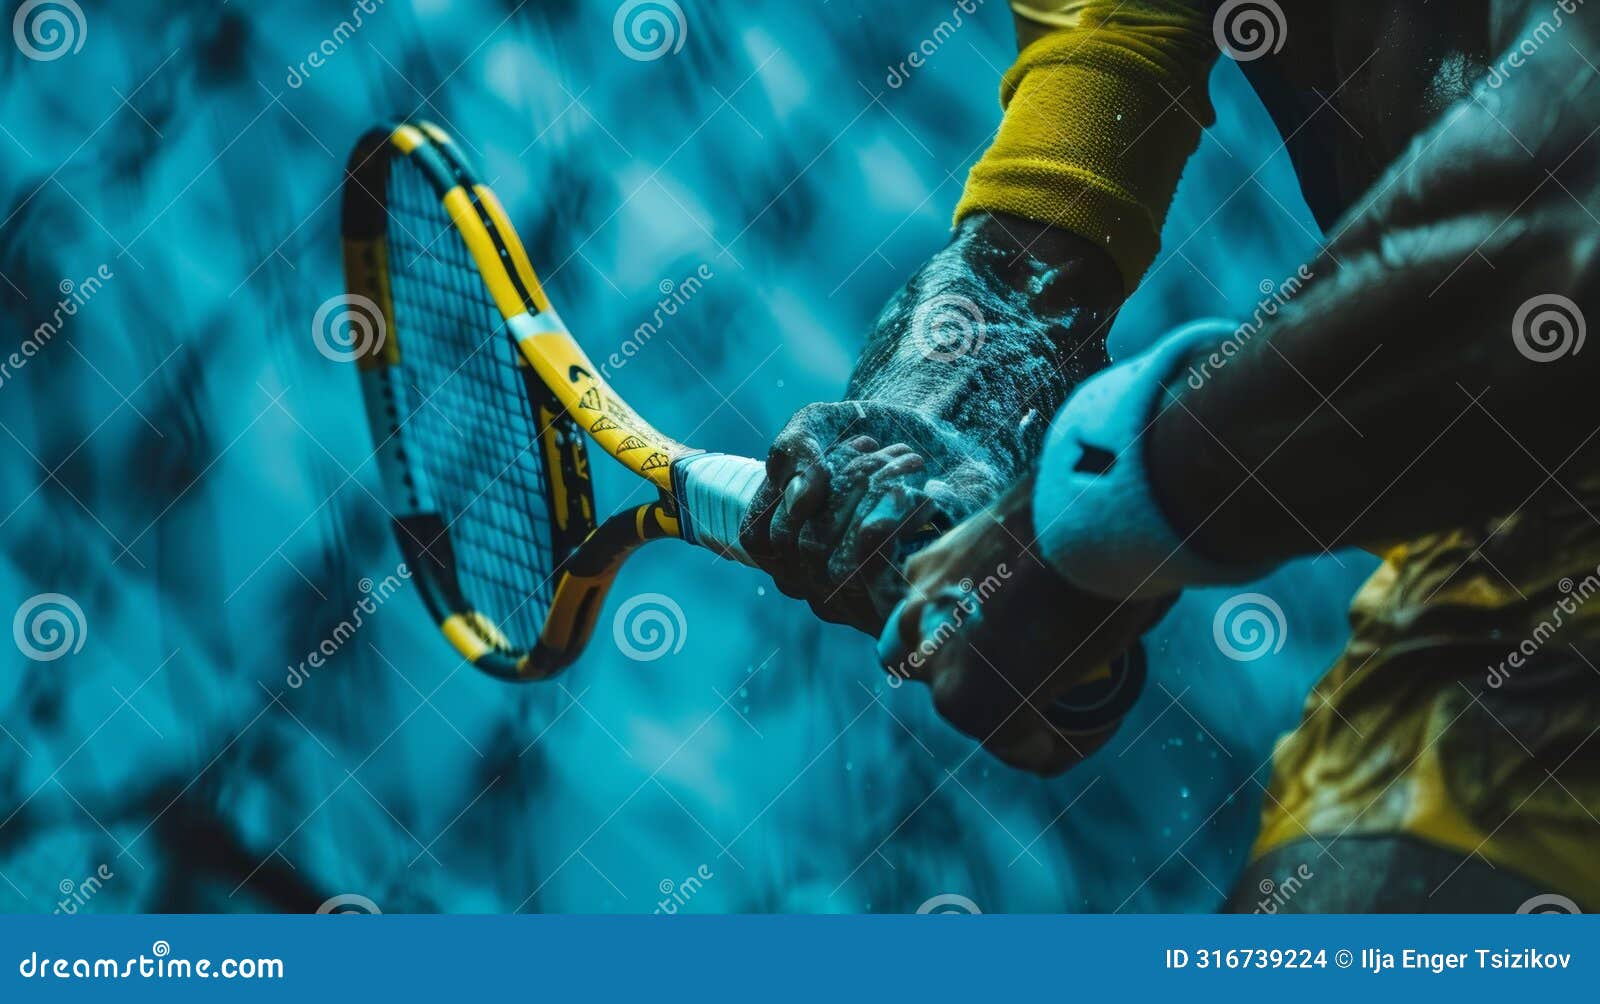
(1350, 84)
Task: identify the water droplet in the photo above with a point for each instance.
(1183, 792)
(761, 590)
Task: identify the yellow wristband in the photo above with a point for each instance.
(1102, 112)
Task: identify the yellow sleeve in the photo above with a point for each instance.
(1102, 109)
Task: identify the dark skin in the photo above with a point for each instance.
(1006, 707)
(929, 434)
(1388, 400)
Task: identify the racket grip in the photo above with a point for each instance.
(714, 491)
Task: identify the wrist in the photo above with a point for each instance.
(1101, 524)
(991, 334)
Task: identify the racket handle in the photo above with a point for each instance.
(714, 492)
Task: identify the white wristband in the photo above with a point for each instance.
(1098, 522)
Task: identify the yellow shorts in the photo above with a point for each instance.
(1464, 711)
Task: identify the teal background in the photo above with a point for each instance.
(183, 463)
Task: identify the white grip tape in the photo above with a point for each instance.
(714, 492)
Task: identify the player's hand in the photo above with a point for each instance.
(846, 492)
(948, 404)
(998, 636)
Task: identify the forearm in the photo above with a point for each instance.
(1390, 398)
(991, 334)
(1059, 219)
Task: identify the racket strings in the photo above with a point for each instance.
(471, 428)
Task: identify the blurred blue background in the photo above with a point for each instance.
(180, 462)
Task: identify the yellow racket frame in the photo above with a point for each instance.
(557, 363)
(584, 400)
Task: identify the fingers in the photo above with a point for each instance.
(929, 638)
(882, 477)
(1011, 725)
(795, 472)
(831, 521)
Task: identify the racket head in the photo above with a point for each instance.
(484, 474)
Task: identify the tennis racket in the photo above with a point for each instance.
(481, 403)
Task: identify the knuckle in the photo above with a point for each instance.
(843, 563)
